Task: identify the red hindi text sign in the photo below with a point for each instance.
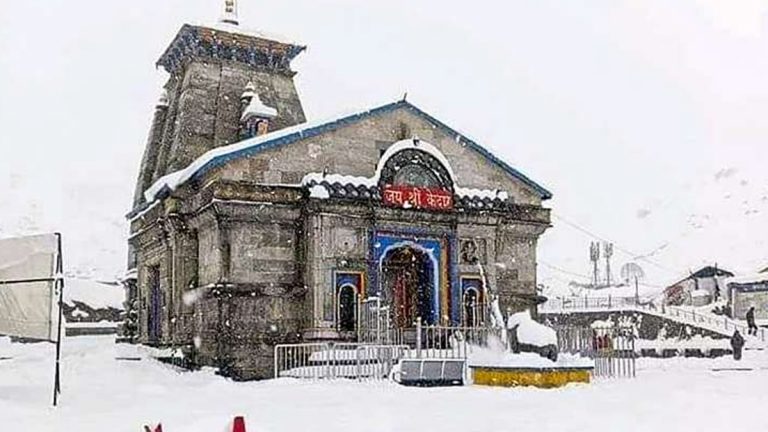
(419, 198)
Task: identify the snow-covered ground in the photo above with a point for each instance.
(102, 393)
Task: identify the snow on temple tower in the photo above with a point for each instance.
(256, 116)
(208, 67)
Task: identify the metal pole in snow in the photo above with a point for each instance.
(378, 321)
(418, 337)
(60, 284)
(637, 292)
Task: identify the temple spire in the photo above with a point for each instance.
(230, 12)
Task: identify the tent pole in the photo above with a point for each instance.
(60, 284)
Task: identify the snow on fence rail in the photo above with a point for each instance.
(336, 360)
(558, 304)
(366, 360)
(451, 342)
(716, 323)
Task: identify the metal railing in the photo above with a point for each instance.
(452, 342)
(365, 360)
(329, 360)
(375, 326)
(587, 303)
(611, 348)
(715, 323)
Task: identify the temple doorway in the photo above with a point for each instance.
(409, 286)
(347, 313)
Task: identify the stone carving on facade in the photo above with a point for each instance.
(473, 251)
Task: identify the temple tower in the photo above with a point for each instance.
(211, 68)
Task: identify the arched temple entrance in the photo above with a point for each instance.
(409, 286)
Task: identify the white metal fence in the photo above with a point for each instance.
(586, 303)
(452, 342)
(375, 359)
(612, 348)
(329, 360)
(424, 341)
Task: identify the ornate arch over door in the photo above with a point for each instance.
(417, 168)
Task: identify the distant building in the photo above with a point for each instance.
(699, 289)
(748, 291)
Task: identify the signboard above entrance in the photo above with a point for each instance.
(404, 196)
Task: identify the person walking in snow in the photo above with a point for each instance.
(751, 321)
(737, 343)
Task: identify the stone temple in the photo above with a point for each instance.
(252, 227)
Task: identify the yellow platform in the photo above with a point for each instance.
(535, 377)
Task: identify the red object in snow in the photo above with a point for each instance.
(239, 425)
(159, 428)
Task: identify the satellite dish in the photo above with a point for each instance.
(630, 271)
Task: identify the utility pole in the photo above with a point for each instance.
(608, 252)
(637, 292)
(594, 256)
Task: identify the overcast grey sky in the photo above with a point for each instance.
(646, 118)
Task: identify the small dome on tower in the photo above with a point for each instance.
(256, 108)
(256, 116)
(249, 92)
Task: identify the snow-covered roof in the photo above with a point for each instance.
(220, 156)
(703, 273)
(319, 191)
(749, 279)
(96, 294)
(333, 184)
(316, 178)
(256, 108)
(250, 32)
(229, 42)
(482, 193)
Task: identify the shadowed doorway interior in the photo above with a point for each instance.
(409, 286)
